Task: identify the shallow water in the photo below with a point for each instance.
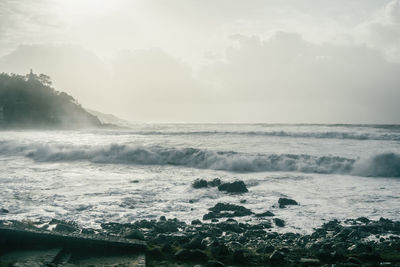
(93, 176)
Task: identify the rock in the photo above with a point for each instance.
(166, 227)
(238, 210)
(265, 214)
(135, 234)
(215, 264)
(225, 210)
(196, 222)
(162, 218)
(199, 183)
(195, 243)
(66, 227)
(283, 202)
(363, 220)
(215, 182)
(277, 256)
(279, 222)
(3, 211)
(235, 187)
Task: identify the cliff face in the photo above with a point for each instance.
(30, 101)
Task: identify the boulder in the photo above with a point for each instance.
(199, 183)
(265, 214)
(135, 234)
(283, 202)
(236, 187)
(279, 222)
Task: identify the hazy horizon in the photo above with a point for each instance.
(213, 61)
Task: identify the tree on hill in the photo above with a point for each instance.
(30, 101)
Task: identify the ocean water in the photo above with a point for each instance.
(95, 176)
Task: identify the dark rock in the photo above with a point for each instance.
(166, 227)
(215, 264)
(214, 220)
(3, 211)
(135, 234)
(219, 251)
(279, 222)
(283, 202)
(63, 226)
(277, 256)
(199, 183)
(196, 222)
(195, 243)
(363, 220)
(266, 249)
(235, 187)
(215, 182)
(238, 210)
(243, 201)
(265, 214)
(162, 218)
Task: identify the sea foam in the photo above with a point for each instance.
(379, 165)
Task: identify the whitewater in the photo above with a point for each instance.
(122, 175)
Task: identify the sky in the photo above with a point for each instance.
(234, 61)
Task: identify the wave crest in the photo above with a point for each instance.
(380, 165)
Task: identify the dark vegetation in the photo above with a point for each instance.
(31, 102)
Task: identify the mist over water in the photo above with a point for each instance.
(93, 176)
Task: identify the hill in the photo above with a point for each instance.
(31, 102)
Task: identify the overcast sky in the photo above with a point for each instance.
(285, 61)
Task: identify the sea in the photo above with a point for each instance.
(146, 171)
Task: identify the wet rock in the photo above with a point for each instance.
(283, 202)
(63, 226)
(195, 243)
(199, 183)
(279, 222)
(196, 222)
(213, 263)
(225, 210)
(135, 234)
(266, 249)
(3, 211)
(363, 220)
(215, 182)
(265, 214)
(163, 218)
(235, 187)
(236, 209)
(166, 227)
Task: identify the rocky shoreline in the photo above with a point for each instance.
(170, 242)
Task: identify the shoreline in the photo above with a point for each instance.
(170, 242)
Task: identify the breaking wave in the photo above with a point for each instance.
(317, 135)
(380, 165)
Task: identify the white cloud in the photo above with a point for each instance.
(383, 31)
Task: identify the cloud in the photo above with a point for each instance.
(293, 80)
(383, 31)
